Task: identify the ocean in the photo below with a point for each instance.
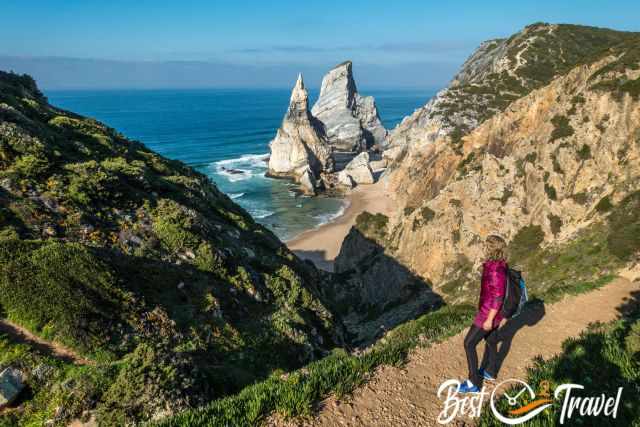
(214, 130)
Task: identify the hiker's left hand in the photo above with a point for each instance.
(487, 325)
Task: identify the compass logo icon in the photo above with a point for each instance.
(513, 390)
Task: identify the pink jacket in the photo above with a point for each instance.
(494, 279)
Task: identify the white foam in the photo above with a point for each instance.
(237, 175)
(255, 159)
(260, 213)
(330, 217)
(241, 168)
(234, 196)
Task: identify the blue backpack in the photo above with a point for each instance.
(515, 294)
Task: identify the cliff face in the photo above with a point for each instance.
(498, 73)
(127, 257)
(350, 120)
(300, 149)
(556, 165)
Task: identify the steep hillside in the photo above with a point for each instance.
(554, 168)
(141, 265)
(501, 71)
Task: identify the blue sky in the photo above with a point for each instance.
(377, 35)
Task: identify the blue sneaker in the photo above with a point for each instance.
(468, 387)
(484, 374)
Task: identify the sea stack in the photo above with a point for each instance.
(300, 149)
(351, 121)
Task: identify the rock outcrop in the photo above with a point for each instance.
(378, 291)
(11, 384)
(358, 171)
(539, 149)
(351, 121)
(300, 149)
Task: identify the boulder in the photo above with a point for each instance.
(359, 170)
(11, 384)
(307, 182)
(351, 121)
(300, 142)
(345, 180)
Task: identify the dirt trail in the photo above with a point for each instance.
(23, 336)
(407, 396)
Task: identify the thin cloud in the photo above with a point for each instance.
(437, 46)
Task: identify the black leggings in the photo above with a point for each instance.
(474, 336)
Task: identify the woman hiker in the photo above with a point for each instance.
(488, 318)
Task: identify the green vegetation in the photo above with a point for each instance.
(139, 264)
(551, 191)
(426, 215)
(527, 239)
(584, 153)
(180, 300)
(602, 358)
(373, 226)
(545, 53)
(604, 205)
(583, 262)
(561, 129)
(624, 237)
(552, 273)
(339, 373)
(556, 223)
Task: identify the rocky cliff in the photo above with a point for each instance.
(141, 266)
(310, 146)
(350, 120)
(300, 149)
(536, 139)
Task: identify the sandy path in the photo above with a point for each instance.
(322, 245)
(407, 396)
(23, 336)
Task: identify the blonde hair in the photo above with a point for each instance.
(495, 248)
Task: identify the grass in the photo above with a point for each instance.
(339, 374)
(583, 264)
(141, 264)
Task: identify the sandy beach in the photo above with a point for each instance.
(322, 245)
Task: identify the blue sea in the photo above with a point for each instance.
(217, 129)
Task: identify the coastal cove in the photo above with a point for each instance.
(224, 133)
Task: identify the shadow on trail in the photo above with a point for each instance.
(532, 313)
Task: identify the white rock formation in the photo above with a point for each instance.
(358, 171)
(351, 121)
(300, 145)
(307, 182)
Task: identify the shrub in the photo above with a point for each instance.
(372, 226)
(562, 128)
(61, 291)
(555, 223)
(526, 240)
(632, 341)
(551, 192)
(31, 166)
(624, 223)
(604, 205)
(173, 226)
(584, 153)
